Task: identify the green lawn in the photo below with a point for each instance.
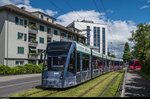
(114, 89)
(71, 92)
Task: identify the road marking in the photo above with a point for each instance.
(19, 84)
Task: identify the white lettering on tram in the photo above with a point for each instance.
(83, 49)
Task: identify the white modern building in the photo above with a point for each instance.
(95, 33)
(23, 35)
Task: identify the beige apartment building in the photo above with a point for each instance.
(23, 35)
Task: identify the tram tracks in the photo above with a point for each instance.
(95, 86)
(110, 84)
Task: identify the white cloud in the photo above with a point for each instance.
(29, 8)
(118, 30)
(144, 7)
(4, 2)
(26, 4)
(50, 12)
(80, 15)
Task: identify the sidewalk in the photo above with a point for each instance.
(136, 85)
(14, 77)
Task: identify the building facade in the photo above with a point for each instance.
(95, 33)
(24, 35)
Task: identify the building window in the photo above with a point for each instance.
(21, 21)
(55, 32)
(103, 33)
(20, 35)
(48, 30)
(41, 28)
(19, 63)
(20, 50)
(41, 40)
(47, 19)
(25, 37)
(16, 20)
(25, 23)
(88, 35)
(39, 51)
(94, 36)
(41, 16)
(98, 36)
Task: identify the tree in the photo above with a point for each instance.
(141, 38)
(112, 55)
(127, 54)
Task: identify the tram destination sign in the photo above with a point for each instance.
(83, 49)
(59, 46)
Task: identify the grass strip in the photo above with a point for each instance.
(100, 88)
(80, 89)
(26, 93)
(111, 92)
(43, 93)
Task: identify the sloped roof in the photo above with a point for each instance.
(28, 14)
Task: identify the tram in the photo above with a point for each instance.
(134, 64)
(68, 64)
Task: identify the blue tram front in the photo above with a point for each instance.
(65, 64)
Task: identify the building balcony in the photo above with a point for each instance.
(33, 29)
(33, 44)
(49, 35)
(33, 55)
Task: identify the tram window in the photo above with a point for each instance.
(71, 66)
(94, 63)
(136, 63)
(55, 60)
(85, 62)
(56, 63)
(78, 62)
(99, 63)
(104, 63)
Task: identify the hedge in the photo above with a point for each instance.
(26, 69)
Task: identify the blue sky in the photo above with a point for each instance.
(115, 9)
(121, 16)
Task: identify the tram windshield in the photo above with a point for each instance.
(131, 62)
(56, 55)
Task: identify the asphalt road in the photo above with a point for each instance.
(136, 85)
(18, 85)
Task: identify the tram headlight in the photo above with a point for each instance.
(61, 76)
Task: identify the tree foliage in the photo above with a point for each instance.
(127, 54)
(112, 55)
(141, 38)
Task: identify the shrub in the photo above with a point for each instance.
(18, 70)
(5, 70)
(27, 68)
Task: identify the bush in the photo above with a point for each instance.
(26, 69)
(18, 70)
(5, 70)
